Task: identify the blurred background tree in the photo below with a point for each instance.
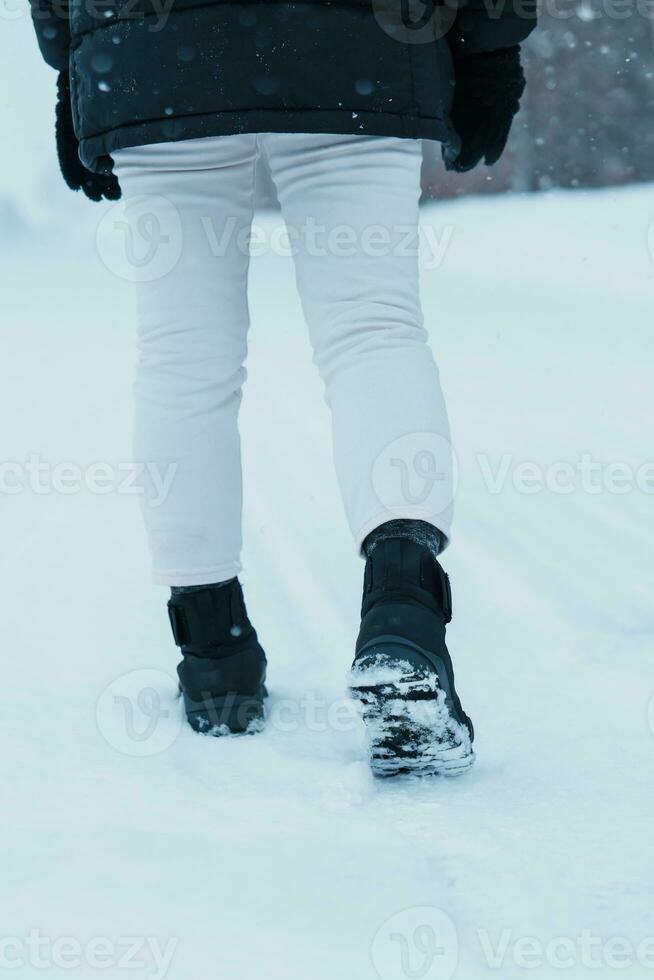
(587, 116)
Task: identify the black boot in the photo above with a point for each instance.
(402, 673)
(222, 676)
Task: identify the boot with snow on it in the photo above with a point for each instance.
(222, 676)
(402, 673)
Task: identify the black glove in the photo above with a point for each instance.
(487, 91)
(76, 175)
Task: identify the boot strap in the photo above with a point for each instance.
(401, 567)
(207, 617)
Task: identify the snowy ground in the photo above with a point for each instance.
(279, 856)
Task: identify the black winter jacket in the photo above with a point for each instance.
(147, 71)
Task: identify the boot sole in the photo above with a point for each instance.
(232, 714)
(409, 712)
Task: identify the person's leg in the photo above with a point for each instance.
(194, 200)
(195, 197)
(352, 205)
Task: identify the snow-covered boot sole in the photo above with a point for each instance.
(231, 714)
(412, 720)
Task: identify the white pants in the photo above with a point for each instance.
(390, 429)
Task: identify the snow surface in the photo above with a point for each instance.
(279, 856)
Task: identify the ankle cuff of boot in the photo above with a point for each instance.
(398, 569)
(421, 532)
(205, 620)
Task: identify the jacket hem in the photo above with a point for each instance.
(95, 151)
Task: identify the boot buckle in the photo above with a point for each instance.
(177, 624)
(446, 595)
